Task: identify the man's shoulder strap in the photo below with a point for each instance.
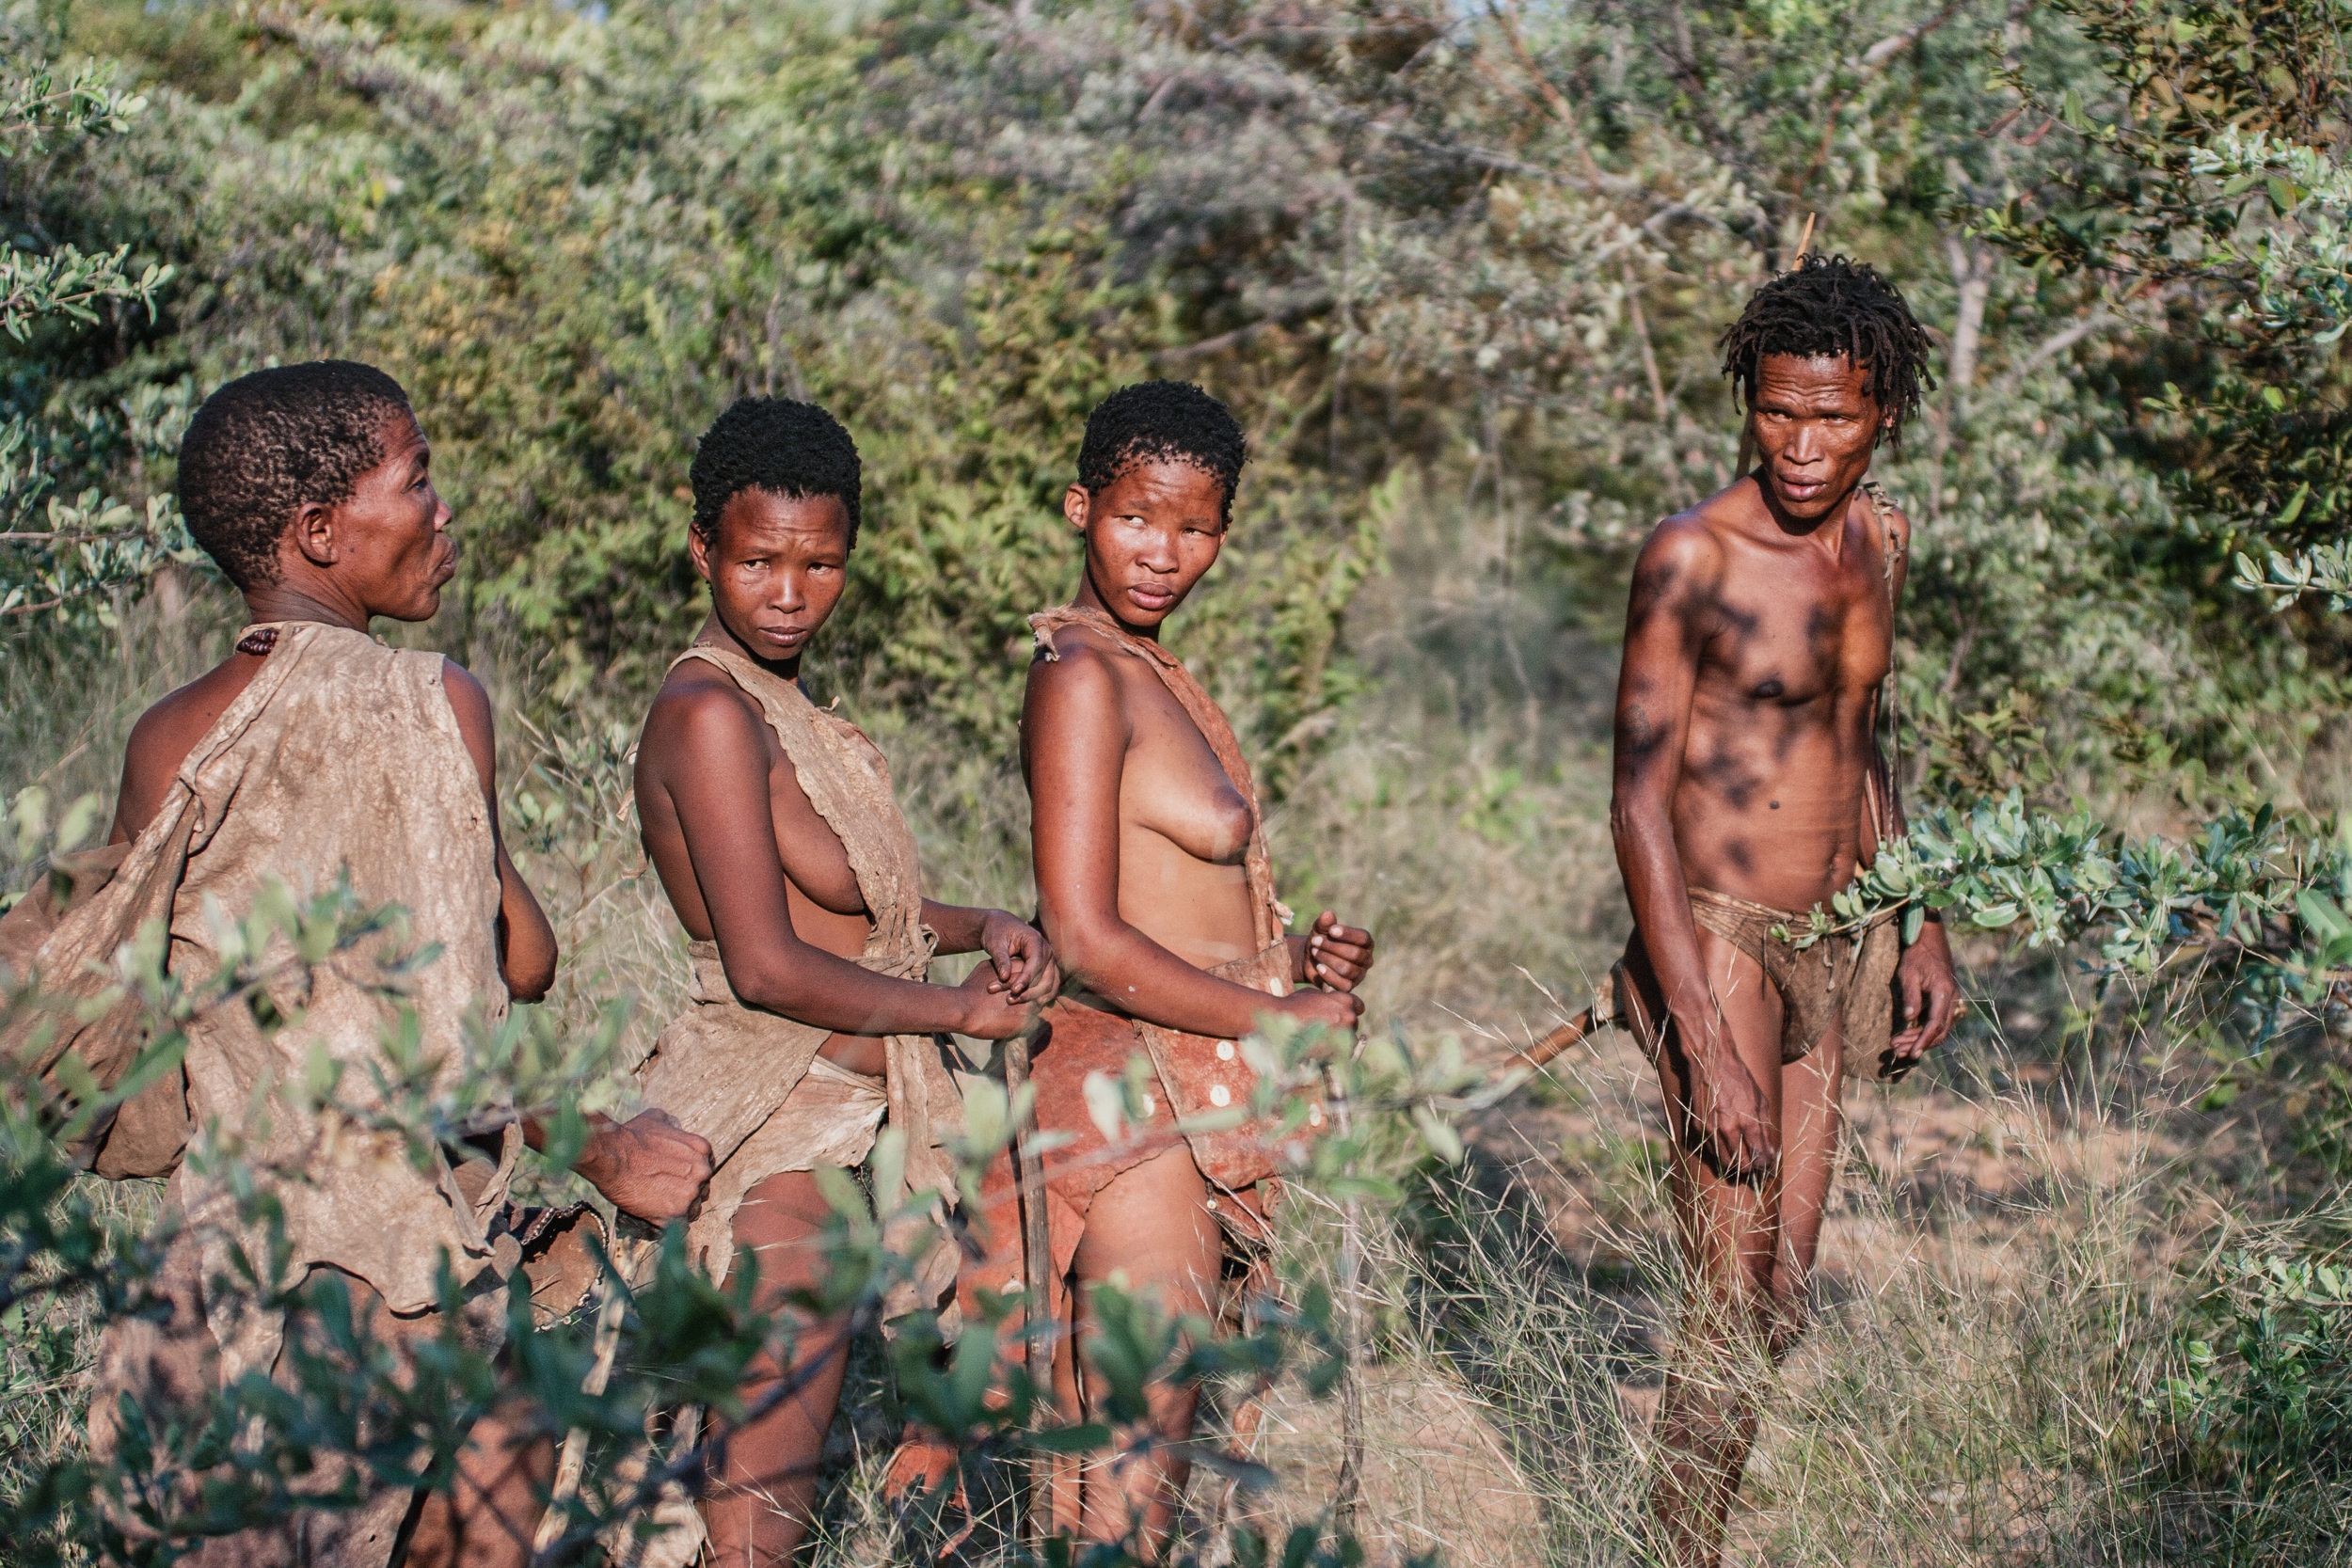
(1882, 508)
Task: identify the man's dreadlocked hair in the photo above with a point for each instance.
(1827, 306)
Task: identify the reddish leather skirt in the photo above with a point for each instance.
(1190, 1075)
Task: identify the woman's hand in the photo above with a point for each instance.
(649, 1165)
(991, 1012)
(1331, 955)
(1335, 1010)
(1020, 958)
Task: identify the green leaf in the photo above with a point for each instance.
(1088, 1439)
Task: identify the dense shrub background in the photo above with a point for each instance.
(1464, 262)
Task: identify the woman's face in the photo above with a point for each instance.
(776, 568)
(1151, 535)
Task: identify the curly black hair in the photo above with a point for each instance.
(268, 444)
(1163, 422)
(794, 451)
(1827, 305)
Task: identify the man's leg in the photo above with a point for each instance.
(764, 1489)
(1152, 1225)
(1811, 1119)
(1730, 1243)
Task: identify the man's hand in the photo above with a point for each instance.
(650, 1166)
(1930, 994)
(1021, 956)
(1731, 1116)
(1331, 955)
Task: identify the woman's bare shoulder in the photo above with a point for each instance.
(167, 731)
(699, 710)
(1078, 688)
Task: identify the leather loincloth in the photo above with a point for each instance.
(1191, 1075)
(1838, 978)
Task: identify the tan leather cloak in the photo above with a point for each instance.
(726, 1071)
(341, 755)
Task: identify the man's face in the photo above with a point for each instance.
(776, 568)
(389, 542)
(1151, 535)
(1815, 427)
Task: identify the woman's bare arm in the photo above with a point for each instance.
(1075, 739)
(1018, 954)
(527, 952)
(707, 752)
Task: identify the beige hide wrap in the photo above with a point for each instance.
(725, 1070)
(341, 755)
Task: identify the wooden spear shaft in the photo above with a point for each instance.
(1037, 1279)
(630, 1247)
(1551, 1045)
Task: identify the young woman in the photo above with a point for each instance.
(1155, 885)
(774, 827)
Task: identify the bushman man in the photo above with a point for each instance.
(1749, 787)
(315, 750)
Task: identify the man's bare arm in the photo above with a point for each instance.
(1924, 976)
(1667, 623)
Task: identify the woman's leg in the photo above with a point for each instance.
(1152, 1228)
(765, 1487)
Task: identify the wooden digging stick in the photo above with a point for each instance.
(629, 1246)
(1551, 1045)
(1037, 1279)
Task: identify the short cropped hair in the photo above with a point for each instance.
(1826, 307)
(268, 444)
(793, 451)
(1163, 422)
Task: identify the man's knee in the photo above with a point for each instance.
(1790, 1313)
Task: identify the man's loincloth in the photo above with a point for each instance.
(1192, 1075)
(1838, 978)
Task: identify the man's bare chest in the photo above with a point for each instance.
(1796, 648)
